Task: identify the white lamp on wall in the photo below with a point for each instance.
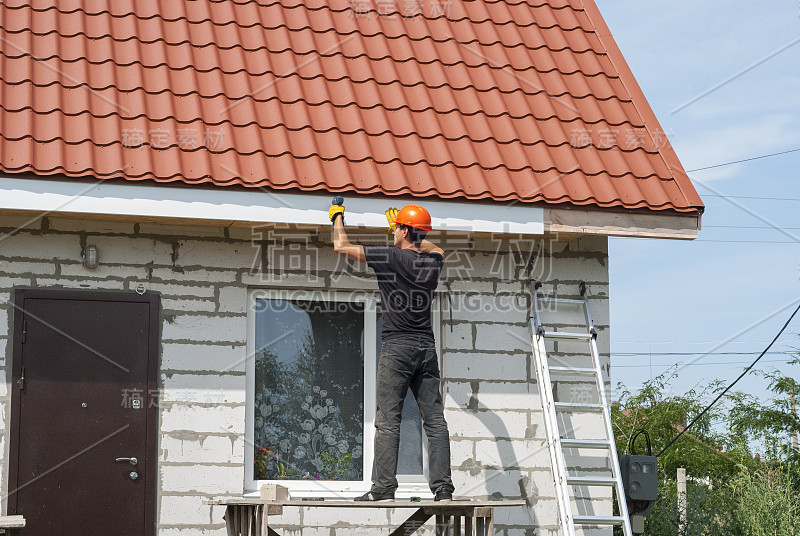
(90, 257)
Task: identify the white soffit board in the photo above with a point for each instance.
(258, 206)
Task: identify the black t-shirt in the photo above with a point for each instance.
(406, 279)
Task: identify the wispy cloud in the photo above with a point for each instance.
(775, 53)
(736, 140)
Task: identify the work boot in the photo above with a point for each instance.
(376, 496)
(443, 495)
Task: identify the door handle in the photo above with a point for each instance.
(132, 461)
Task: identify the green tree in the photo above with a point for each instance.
(730, 490)
(701, 451)
(773, 427)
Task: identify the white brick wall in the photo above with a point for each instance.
(12, 267)
(503, 337)
(458, 395)
(9, 283)
(201, 479)
(194, 274)
(487, 424)
(233, 299)
(210, 388)
(184, 510)
(501, 453)
(197, 418)
(205, 328)
(202, 448)
(178, 289)
(188, 305)
(41, 247)
(492, 401)
(513, 396)
(79, 284)
(105, 271)
(460, 338)
(482, 366)
(215, 254)
(126, 250)
(203, 357)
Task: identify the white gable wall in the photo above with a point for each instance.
(203, 275)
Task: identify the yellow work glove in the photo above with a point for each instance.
(391, 216)
(334, 211)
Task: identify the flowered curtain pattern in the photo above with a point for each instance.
(309, 410)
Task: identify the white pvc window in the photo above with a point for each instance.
(311, 395)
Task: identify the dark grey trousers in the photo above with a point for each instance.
(410, 362)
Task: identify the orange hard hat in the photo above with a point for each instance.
(414, 216)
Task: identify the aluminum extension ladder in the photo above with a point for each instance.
(558, 444)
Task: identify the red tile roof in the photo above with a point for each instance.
(496, 100)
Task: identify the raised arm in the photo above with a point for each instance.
(342, 245)
(429, 247)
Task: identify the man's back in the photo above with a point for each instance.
(407, 280)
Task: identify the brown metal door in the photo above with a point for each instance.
(81, 362)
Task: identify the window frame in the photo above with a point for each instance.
(409, 485)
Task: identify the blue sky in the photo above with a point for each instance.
(689, 297)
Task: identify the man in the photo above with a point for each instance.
(408, 274)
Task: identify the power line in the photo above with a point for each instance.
(689, 342)
(728, 388)
(698, 364)
(749, 241)
(744, 160)
(719, 241)
(634, 354)
(749, 227)
(753, 197)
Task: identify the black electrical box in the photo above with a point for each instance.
(639, 477)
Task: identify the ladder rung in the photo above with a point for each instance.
(598, 520)
(591, 480)
(567, 335)
(560, 300)
(574, 371)
(575, 407)
(585, 443)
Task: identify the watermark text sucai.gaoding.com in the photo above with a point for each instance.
(285, 250)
